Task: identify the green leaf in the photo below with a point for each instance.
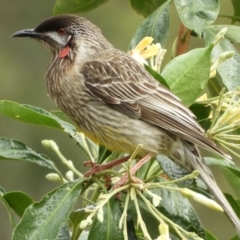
(18, 201)
(43, 220)
(151, 223)
(187, 75)
(108, 229)
(233, 179)
(103, 153)
(179, 209)
(201, 111)
(131, 229)
(224, 164)
(155, 26)
(215, 86)
(173, 206)
(196, 15)
(235, 238)
(234, 203)
(76, 217)
(8, 208)
(232, 33)
(63, 233)
(15, 150)
(41, 117)
(237, 18)
(157, 76)
(146, 7)
(236, 8)
(173, 170)
(229, 70)
(76, 6)
(209, 235)
(230, 171)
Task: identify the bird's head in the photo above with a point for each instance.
(67, 35)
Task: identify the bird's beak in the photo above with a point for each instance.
(28, 33)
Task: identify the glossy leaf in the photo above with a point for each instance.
(196, 15)
(179, 210)
(76, 217)
(63, 233)
(173, 170)
(41, 117)
(215, 86)
(155, 26)
(187, 75)
(157, 76)
(230, 171)
(201, 111)
(18, 201)
(236, 9)
(76, 6)
(146, 7)
(16, 150)
(233, 180)
(224, 164)
(237, 18)
(173, 206)
(108, 229)
(232, 33)
(234, 203)
(209, 236)
(103, 153)
(229, 70)
(131, 229)
(151, 223)
(8, 208)
(235, 238)
(43, 220)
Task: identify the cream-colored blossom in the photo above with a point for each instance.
(201, 199)
(225, 120)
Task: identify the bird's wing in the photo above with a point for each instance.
(125, 86)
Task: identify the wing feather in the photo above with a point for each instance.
(125, 86)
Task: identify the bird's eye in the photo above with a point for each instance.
(61, 31)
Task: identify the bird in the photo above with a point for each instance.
(117, 103)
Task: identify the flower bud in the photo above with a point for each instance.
(100, 215)
(156, 200)
(201, 199)
(164, 229)
(50, 144)
(70, 175)
(220, 34)
(83, 224)
(53, 177)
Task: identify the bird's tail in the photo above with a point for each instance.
(199, 164)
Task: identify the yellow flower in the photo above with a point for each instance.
(146, 50)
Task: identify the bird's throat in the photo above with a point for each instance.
(64, 52)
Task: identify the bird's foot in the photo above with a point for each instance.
(130, 174)
(96, 168)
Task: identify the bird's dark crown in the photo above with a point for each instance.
(57, 22)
